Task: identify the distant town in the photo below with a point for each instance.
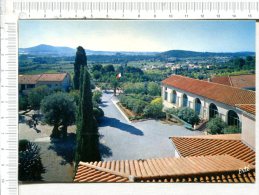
(101, 116)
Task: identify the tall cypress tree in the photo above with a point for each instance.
(87, 130)
(80, 61)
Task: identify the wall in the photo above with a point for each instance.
(205, 103)
(248, 130)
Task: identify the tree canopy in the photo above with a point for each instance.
(59, 109)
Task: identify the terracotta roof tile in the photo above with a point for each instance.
(225, 80)
(52, 77)
(217, 168)
(214, 145)
(29, 79)
(33, 79)
(214, 91)
(243, 81)
(240, 81)
(250, 108)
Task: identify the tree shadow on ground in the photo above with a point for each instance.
(113, 122)
(105, 151)
(103, 104)
(64, 148)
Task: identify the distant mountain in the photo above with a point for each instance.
(47, 50)
(186, 54)
(67, 51)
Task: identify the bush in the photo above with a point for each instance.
(154, 109)
(75, 95)
(98, 112)
(231, 129)
(136, 88)
(173, 111)
(36, 95)
(97, 96)
(216, 125)
(30, 165)
(23, 102)
(153, 89)
(136, 105)
(188, 115)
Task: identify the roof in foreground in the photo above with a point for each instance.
(214, 91)
(250, 108)
(218, 168)
(214, 145)
(240, 81)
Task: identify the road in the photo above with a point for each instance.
(120, 139)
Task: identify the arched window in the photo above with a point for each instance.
(233, 119)
(174, 96)
(185, 100)
(197, 106)
(213, 111)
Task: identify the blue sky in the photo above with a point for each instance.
(149, 35)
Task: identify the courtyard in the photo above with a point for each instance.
(119, 140)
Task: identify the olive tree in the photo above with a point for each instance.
(59, 109)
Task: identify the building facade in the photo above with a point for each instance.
(60, 81)
(207, 99)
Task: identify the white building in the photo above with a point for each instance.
(206, 98)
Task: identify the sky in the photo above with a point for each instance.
(145, 35)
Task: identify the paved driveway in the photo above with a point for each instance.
(138, 140)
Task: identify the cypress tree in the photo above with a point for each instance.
(80, 61)
(87, 130)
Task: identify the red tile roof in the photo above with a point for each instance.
(250, 108)
(240, 81)
(33, 79)
(214, 145)
(214, 91)
(53, 77)
(28, 79)
(218, 168)
(225, 80)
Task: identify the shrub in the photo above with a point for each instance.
(36, 95)
(97, 96)
(216, 125)
(231, 129)
(153, 89)
(136, 88)
(154, 109)
(75, 95)
(98, 112)
(188, 115)
(173, 111)
(30, 165)
(23, 102)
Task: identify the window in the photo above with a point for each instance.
(185, 100)
(233, 119)
(197, 106)
(165, 95)
(174, 96)
(213, 111)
